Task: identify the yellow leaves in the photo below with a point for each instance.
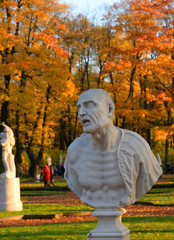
(44, 16)
(49, 31)
(160, 98)
(117, 66)
(4, 69)
(70, 90)
(110, 66)
(163, 58)
(62, 27)
(9, 4)
(47, 42)
(8, 40)
(161, 135)
(3, 97)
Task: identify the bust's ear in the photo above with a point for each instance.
(110, 110)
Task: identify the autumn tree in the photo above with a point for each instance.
(161, 67)
(79, 44)
(33, 68)
(141, 63)
(135, 29)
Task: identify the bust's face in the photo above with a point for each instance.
(92, 112)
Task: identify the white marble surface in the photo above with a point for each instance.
(7, 142)
(108, 167)
(10, 195)
(109, 226)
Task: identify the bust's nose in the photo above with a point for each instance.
(82, 111)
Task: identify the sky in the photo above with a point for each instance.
(87, 7)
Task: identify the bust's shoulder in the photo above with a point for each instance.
(134, 146)
(75, 147)
(133, 138)
(79, 142)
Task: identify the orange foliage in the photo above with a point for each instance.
(71, 89)
(160, 98)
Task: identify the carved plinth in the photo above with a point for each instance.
(109, 226)
(10, 195)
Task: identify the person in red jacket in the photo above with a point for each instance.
(46, 173)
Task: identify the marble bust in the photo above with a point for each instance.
(7, 141)
(108, 167)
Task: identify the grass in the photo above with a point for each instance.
(59, 182)
(37, 209)
(37, 189)
(160, 194)
(142, 228)
(156, 197)
(41, 192)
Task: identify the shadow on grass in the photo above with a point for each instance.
(153, 204)
(56, 188)
(151, 225)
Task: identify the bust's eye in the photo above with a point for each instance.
(78, 107)
(90, 104)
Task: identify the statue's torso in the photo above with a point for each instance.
(100, 178)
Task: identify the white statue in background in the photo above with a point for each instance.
(49, 163)
(108, 167)
(7, 141)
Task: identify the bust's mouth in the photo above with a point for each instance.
(85, 122)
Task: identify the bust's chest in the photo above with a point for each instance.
(98, 169)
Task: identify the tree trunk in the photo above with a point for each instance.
(166, 153)
(31, 156)
(5, 105)
(2, 169)
(131, 86)
(149, 136)
(42, 147)
(75, 126)
(18, 156)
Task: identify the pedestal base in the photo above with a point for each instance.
(10, 194)
(109, 226)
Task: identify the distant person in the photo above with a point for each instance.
(58, 170)
(46, 174)
(62, 171)
(55, 170)
(27, 172)
(169, 167)
(51, 175)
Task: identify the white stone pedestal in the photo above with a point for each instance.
(10, 194)
(109, 226)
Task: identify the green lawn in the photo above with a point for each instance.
(41, 192)
(152, 228)
(142, 228)
(162, 197)
(38, 209)
(32, 188)
(161, 194)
